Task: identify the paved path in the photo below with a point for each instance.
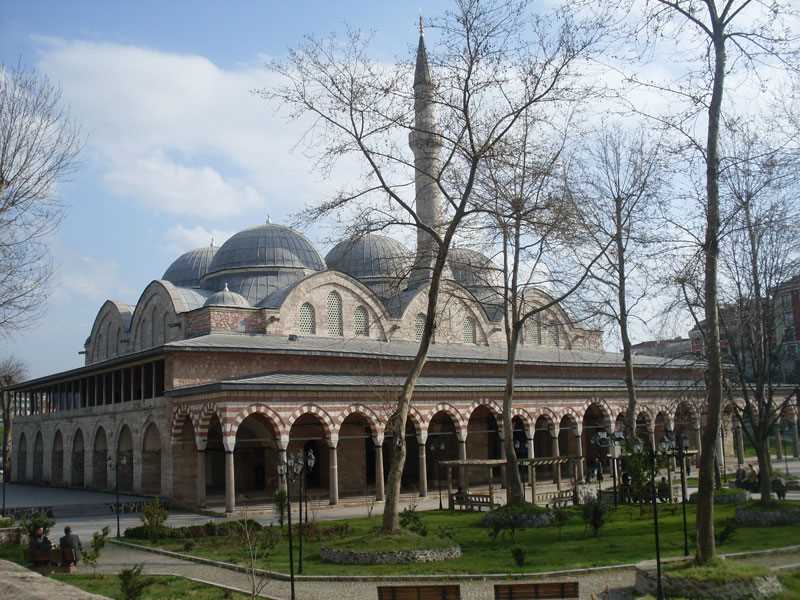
(20, 583)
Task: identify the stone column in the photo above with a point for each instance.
(333, 474)
(282, 461)
(795, 439)
(694, 434)
(422, 450)
(230, 482)
(380, 493)
(779, 443)
(651, 434)
(720, 450)
(136, 456)
(738, 441)
(462, 471)
(580, 461)
(556, 454)
(200, 478)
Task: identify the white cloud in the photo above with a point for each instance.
(183, 238)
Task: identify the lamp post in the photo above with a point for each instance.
(682, 445)
(291, 470)
(123, 460)
(787, 433)
(638, 448)
(307, 464)
(601, 439)
(436, 452)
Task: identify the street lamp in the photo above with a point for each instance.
(437, 452)
(290, 471)
(638, 448)
(601, 439)
(682, 446)
(120, 460)
(307, 464)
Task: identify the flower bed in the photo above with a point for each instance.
(399, 557)
(754, 515)
(727, 496)
(376, 548)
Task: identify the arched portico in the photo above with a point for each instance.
(417, 458)
(483, 439)
(151, 460)
(22, 458)
(357, 456)
(78, 460)
(309, 432)
(38, 458)
(544, 444)
(57, 460)
(444, 443)
(644, 429)
(99, 459)
(124, 458)
(256, 456)
(185, 462)
(596, 419)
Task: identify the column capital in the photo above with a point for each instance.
(229, 442)
(377, 440)
(333, 441)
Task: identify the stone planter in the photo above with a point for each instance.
(10, 535)
(354, 557)
(755, 517)
(757, 588)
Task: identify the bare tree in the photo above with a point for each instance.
(623, 174)
(756, 33)
(533, 222)
(760, 253)
(12, 370)
(38, 148)
(497, 59)
(259, 543)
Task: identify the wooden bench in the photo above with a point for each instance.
(472, 501)
(419, 592)
(531, 591)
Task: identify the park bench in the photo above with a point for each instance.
(472, 501)
(531, 591)
(419, 592)
(562, 498)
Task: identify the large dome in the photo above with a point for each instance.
(188, 269)
(259, 261)
(370, 256)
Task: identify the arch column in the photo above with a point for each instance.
(795, 438)
(200, 475)
(779, 442)
(579, 466)
(462, 455)
(137, 464)
(556, 454)
(695, 435)
(531, 468)
(333, 477)
(282, 461)
(651, 434)
(380, 491)
(503, 456)
(66, 468)
(422, 446)
(738, 441)
(229, 443)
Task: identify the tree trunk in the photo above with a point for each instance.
(706, 545)
(764, 470)
(515, 492)
(630, 412)
(7, 437)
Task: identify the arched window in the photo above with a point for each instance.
(361, 321)
(469, 330)
(419, 326)
(334, 305)
(306, 321)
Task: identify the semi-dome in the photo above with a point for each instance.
(188, 269)
(370, 256)
(258, 261)
(226, 297)
(472, 269)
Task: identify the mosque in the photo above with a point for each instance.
(241, 353)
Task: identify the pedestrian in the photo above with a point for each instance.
(72, 544)
(39, 548)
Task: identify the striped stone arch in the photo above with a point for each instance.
(544, 411)
(372, 419)
(232, 425)
(135, 432)
(678, 402)
(453, 413)
(88, 443)
(569, 412)
(526, 417)
(204, 415)
(604, 406)
(490, 404)
(664, 410)
(646, 410)
(181, 412)
(328, 423)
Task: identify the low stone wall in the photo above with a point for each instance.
(10, 535)
(757, 588)
(766, 518)
(354, 557)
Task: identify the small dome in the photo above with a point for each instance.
(472, 269)
(226, 297)
(188, 269)
(370, 257)
(267, 245)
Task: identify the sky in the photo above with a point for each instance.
(177, 148)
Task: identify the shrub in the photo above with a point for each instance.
(726, 533)
(410, 519)
(6, 522)
(280, 498)
(154, 517)
(91, 556)
(132, 583)
(209, 529)
(594, 514)
(559, 517)
(519, 556)
(32, 522)
(507, 519)
(189, 545)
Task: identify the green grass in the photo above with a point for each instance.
(720, 571)
(371, 541)
(790, 581)
(626, 538)
(164, 587)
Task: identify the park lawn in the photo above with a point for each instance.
(626, 538)
(790, 581)
(164, 587)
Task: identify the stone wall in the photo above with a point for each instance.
(352, 557)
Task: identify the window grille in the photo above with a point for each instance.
(534, 331)
(306, 322)
(469, 330)
(334, 305)
(419, 326)
(361, 322)
(556, 334)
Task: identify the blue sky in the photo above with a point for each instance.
(177, 148)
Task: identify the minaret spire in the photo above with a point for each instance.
(426, 143)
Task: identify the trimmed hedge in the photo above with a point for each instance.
(210, 529)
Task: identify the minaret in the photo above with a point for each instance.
(426, 143)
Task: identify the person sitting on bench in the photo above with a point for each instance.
(71, 548)
(39, 548)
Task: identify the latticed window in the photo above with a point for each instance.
(334, 305)
(533, 331)
(419, 326)
(469, 330)
(361, 321)
(306, 321)
(556, 334)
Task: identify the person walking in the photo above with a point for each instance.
(71, 548)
